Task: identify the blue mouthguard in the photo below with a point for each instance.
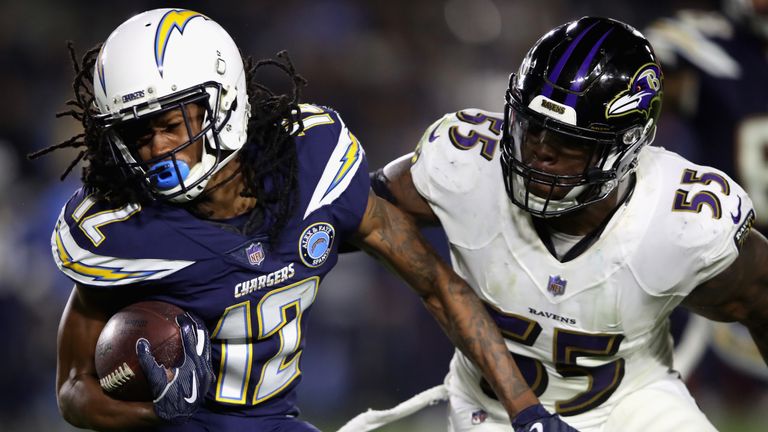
(163, 174)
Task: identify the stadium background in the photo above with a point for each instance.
(389, 66)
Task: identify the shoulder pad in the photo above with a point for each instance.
(316, 115)
(82, 251)
(697, 224)
(457, 171)
(331, 157)
(449, 152)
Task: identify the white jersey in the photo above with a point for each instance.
(589, 331)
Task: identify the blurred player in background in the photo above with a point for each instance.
(715, 65)
(580, 238)
(205, 189)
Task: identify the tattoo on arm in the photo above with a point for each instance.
(393, 236)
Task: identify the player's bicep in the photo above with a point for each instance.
(740, 292)
(394, 183)
(389, 234)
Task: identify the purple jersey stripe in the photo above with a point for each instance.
(561, 63)
(578, 80)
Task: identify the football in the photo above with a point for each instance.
(117, 364)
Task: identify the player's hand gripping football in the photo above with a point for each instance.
(179, 392)
(536, 418)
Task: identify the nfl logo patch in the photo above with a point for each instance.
(556, 285)
(479, 417)
(255, 253)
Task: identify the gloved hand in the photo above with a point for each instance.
(536, 418)
(179, 398)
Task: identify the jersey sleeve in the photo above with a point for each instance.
(438, 167)
(452, 152)
(90, 247)
(333, 167)
(700, 223)
(456, 170)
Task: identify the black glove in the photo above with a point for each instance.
(536, 418)
(178, 399)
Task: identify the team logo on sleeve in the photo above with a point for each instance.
(315, 244)
(255, 254)
(744, 229)
(737, 217)
(556, 285)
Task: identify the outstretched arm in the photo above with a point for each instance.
(740, 293)
(81, 401)
(392, 236)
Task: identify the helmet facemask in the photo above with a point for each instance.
(604, 159)
(166, 177)
(582, 105)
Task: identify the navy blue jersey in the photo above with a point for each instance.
(727, 108)
(254, 295)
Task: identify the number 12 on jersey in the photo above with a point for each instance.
(238, 336)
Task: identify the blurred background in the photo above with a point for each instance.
(390, 67)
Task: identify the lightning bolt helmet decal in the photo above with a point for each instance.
(172, 20)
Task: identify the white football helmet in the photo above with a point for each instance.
(161, 60)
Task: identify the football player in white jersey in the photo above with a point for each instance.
(581, 239)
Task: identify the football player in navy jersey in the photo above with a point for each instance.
(715, 64)
(204, 189)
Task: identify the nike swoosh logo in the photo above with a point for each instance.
(432, 135)
(536, 427)
(193, 397)
(737, 217)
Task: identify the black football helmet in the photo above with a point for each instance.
(593, 84)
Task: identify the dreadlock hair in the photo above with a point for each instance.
(108, 180)
(268, 161)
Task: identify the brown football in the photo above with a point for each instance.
(117, 364)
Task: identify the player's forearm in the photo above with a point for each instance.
(398, 242)
(81, 400)
(83, 404)
(469, 326)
